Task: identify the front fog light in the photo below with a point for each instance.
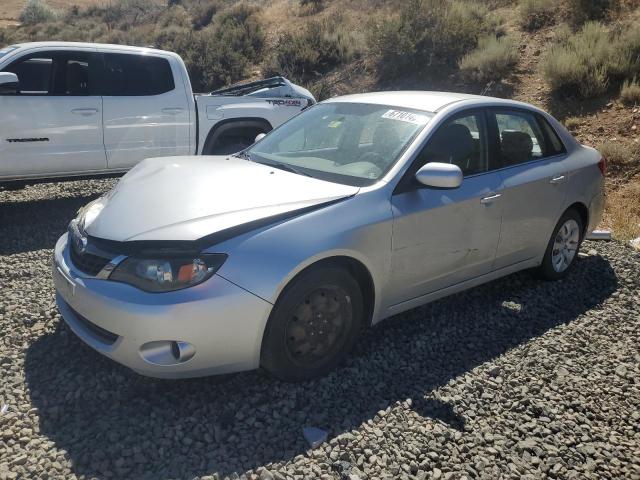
(167, 274)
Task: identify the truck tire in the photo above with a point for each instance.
(234, 135)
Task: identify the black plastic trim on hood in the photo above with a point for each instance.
(147, 248)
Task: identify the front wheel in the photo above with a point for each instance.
(563, 246)
(313, 325)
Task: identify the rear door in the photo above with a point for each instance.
(53, 126)
(535, 183)
(146, 108)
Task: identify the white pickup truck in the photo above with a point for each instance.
(82, 109)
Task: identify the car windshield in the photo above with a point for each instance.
(5, 50)
(349, 143)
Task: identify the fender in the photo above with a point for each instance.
(240, 122)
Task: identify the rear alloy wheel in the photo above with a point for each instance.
(313, 325)
(563, 246)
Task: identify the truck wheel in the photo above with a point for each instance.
(313, 325)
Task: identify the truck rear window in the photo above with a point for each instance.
(136, 75)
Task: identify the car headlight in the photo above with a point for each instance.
(167, 274)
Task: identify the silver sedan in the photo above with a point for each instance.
(359, 208)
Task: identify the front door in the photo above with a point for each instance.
(445, 236)
(535, 184)
(53, 125)
(146, 111)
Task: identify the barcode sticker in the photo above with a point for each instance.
(408, 117)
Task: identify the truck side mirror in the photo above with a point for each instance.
(259, 137)
(9, 84)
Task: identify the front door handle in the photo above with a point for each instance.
(490, 199)
(172, 111)
(557, 180)
(85, 112)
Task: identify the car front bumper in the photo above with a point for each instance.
(218, 324)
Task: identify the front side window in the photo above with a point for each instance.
(520, 138)
(35, 74)
(56, 73)
(460, 141)
(136, 75)
(349, 143)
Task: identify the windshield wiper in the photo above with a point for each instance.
(243, 154)
(286, 168)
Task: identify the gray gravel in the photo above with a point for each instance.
(515, 379)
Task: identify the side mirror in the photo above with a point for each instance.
(259, 137)
(9, 84)
(439, 175)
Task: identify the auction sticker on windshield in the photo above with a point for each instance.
(403, 116)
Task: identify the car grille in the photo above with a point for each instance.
(87, 262)
(105, 336)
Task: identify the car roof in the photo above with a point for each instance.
(420, 100)
(126, 48)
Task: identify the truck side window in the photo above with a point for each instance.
(136, 75)
(57, 73)
(35, 74)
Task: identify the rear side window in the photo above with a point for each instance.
(520, 138)
(136, 75)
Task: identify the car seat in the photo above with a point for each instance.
(516, 147)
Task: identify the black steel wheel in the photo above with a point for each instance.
(313, 324)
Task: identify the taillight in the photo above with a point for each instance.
(602, 165)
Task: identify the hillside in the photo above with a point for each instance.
(570, 57)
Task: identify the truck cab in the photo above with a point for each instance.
(81, 109)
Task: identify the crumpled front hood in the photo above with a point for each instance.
(187, 198)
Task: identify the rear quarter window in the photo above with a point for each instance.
(136, 75)
(554, 144)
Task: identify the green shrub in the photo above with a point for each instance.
(630, 92)
(534, 14)
(588, 62)
(428, 35)
(581, 11)
(618, 154)
(492, 60)
(202, 14)
(36, 12)
(318, 48)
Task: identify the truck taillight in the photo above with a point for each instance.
(602, 165)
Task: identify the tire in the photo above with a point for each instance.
(551, 268)
(313, 325)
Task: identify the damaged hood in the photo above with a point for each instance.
(187, 198)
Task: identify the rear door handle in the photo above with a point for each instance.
(172, 111)
(85, 112)
(557, 180)
(490, 199)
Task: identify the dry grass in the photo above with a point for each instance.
(630, 92)
(623, 211)
(572, 123)
(10, 9)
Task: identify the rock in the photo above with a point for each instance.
(314, 436)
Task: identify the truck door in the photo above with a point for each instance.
(53, 125)
(146, 109)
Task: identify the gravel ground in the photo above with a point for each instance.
(514, 379)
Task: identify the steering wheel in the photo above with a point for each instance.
(375, 158)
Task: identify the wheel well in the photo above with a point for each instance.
(583, 211)
(234, 126)
(361, 274)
